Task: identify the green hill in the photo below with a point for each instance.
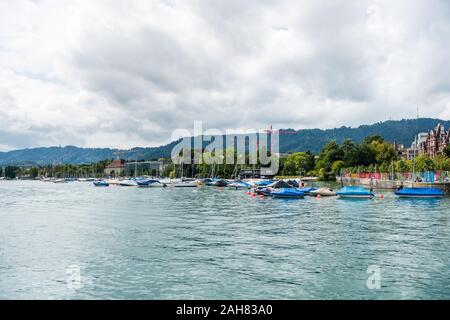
(402, 131)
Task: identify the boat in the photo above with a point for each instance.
(150, 183)
(307, 191)
(239, 185)
(416, 192)
(278, 185)
(263, 183)
(264, 191)
(101, 183)
(114, 182)
(189, 183)
(287, 193)
(60, 181)
(128, 183)
(219, 183)
(323, 192)
(355, 192)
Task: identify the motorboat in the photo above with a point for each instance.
(355, 192)
(307, 191)
(101, 183)
(323, 192)
(239, 185)
(128, 183)
(150, 183)
(187, 183)
(219, 183)
(113, 182)
(416, 192)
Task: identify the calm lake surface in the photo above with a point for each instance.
(208, 243)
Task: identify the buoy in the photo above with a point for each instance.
(253, 195)
(382, 196)
(261, 197)
(319, 196)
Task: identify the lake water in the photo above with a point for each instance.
(75, 241)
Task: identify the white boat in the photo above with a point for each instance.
(113, 182)
(128, 183)
(60, 181)
(186, 184)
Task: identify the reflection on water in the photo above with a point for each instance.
(213, 243)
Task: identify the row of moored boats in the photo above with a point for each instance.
(271, 188)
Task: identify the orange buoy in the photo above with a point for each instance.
(382, 196)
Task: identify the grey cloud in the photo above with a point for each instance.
(150, 68)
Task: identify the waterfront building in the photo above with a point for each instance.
(153, 168)
(414, 150)
(435, 142)
(115, 168)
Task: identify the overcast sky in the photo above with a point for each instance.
(127, 73)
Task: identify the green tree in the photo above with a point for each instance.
(372, 139)
(403, 166)
(385, 153)
(446, 151)
(423, 163)
(34, 172)
(298, 163)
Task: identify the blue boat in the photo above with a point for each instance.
(146, 182)
(101, 183)
(307, 191)
(355, 192)
(263, 183)
(239, 185)
(419, 193)
(287, 193)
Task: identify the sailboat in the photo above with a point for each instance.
(418, 192)
(185, 183)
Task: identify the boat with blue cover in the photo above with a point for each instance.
(263, 183)
(287, 193)
(307, 191)
(149, 183)
(101, 183)
(239, 185)
(355, 192)
(416, 192)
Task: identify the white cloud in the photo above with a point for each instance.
(127, 73)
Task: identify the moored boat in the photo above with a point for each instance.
(101, 183)
(219, 183)
(189, 183)
(287, 193)
(128, 183)
(323, 192)
(416, 192)
(239, 185)
(307, 191)
(355, 192)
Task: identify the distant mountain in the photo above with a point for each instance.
(291, 140)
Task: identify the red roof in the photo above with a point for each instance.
(118, 163)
